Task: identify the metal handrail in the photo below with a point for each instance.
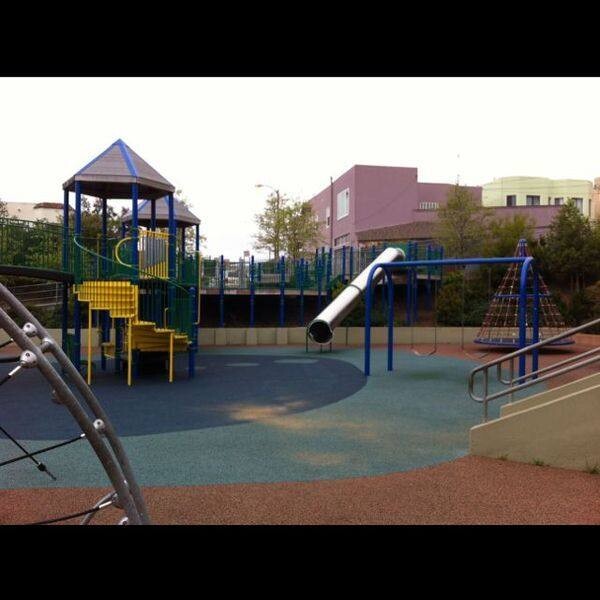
(537, 376)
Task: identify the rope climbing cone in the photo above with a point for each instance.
(501, 323)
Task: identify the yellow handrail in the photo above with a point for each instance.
(117, 258)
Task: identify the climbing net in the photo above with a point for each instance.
(72, 393)
(501, 322)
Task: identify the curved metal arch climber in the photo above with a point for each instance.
(99, 432)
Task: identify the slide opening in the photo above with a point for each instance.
(320, 332)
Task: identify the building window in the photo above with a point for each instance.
(327, 217)
(343, 204)
(429, 205)
(511, 200)
(578, 203)
(532, 201)
(559, 201)
(342, 240)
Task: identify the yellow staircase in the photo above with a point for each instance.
(121, 300)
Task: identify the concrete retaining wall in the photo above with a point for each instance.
(560, 433)
(342, 336)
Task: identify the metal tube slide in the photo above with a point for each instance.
(320, 329)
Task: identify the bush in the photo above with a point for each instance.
(449, 302)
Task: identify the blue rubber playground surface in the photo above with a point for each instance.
(254, 415)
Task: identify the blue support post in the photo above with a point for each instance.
(252, 291)
(301, 282)
(194, 345)
(153, 215)
(282, 291)
(522, 316)
(428, 297)
(222, 292)
(197, 237)
(182, 243)
(351, 263)
(344, 264)
(408, 277)
(118, 344)
(329, 267)
(318, 274)
(134, 231)
(390, 340)
(172, 255)
(535, 319)
(77, 304)
(65, 268)
(104, 315)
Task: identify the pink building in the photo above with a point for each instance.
(366, 199)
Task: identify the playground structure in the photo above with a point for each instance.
(99, 433)
(501, 325)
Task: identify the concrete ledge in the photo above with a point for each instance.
(342, 336)
(251, 337)
(559, 433)
(551, 394)
(220, 336)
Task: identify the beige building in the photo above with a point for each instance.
(539, 191)
(596, 199)
(31, 211)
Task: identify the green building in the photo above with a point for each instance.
(538, 191)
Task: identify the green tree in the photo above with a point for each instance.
(190, 234)
(570, 253)
(460, 224)
(301, 230)
(271, 225)
(503, 235)
(3, 210)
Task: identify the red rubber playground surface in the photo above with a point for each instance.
(466, 490)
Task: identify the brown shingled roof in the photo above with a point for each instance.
(396, 233)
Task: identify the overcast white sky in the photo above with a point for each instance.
(215, 138)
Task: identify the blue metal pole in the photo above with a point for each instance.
(343, 264)
(328, 282)
(65, 268)
(172, 255)
(390, 299)
(318, 274)
(134, 231)
(536, 318)
(351, 263)
(252, 291)
(66, 238)
(301, 315)
(428, 278)
(408, 277)
(222, 293)
(194, 346)
(523, 316)
(282, 291)
(104, 315)
(368, 306)
(77, 304)
(153, 215)
(197, 237)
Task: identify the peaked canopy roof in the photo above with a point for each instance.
(183, 215)
(111, 174)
